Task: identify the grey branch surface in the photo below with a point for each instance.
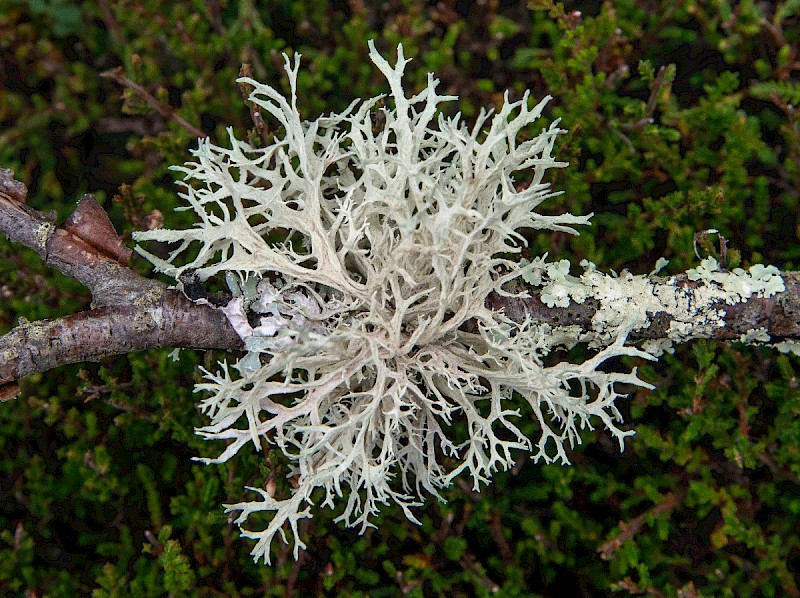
(132, 313)
(129, 312)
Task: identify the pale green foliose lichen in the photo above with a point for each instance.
(738, 284)
(757, 335)
(358, 251)
(627, 302)
(790, 346)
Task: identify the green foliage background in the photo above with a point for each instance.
(99, 496)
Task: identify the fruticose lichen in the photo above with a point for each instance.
(358, 247)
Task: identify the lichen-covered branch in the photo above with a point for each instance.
(87, 249)
(761, 305)
(778, 315)
(388, 344)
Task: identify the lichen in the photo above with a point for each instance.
(42, 234)
(788, 346)
(628, 302)
(757, 335)
(738, 284)
(357, 253)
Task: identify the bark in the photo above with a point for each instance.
(129, 312)
(170, 321)
(132, 313)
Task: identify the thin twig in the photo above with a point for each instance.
(629, 529)
(470, 563)
(496, 531)
(652, 101)
(163, 109)
(255, 115)
(111, 23)
(655, 91)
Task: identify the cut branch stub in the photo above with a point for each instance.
(90, 223)
(9, 391)
(11, 188)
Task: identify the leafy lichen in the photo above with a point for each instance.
(627, 302)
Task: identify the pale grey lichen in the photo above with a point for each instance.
(358, 252)
(657, 347)
(561, 286)
(661, 263)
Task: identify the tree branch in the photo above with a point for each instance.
(171, 321)
(132, 313)
(778, 315)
